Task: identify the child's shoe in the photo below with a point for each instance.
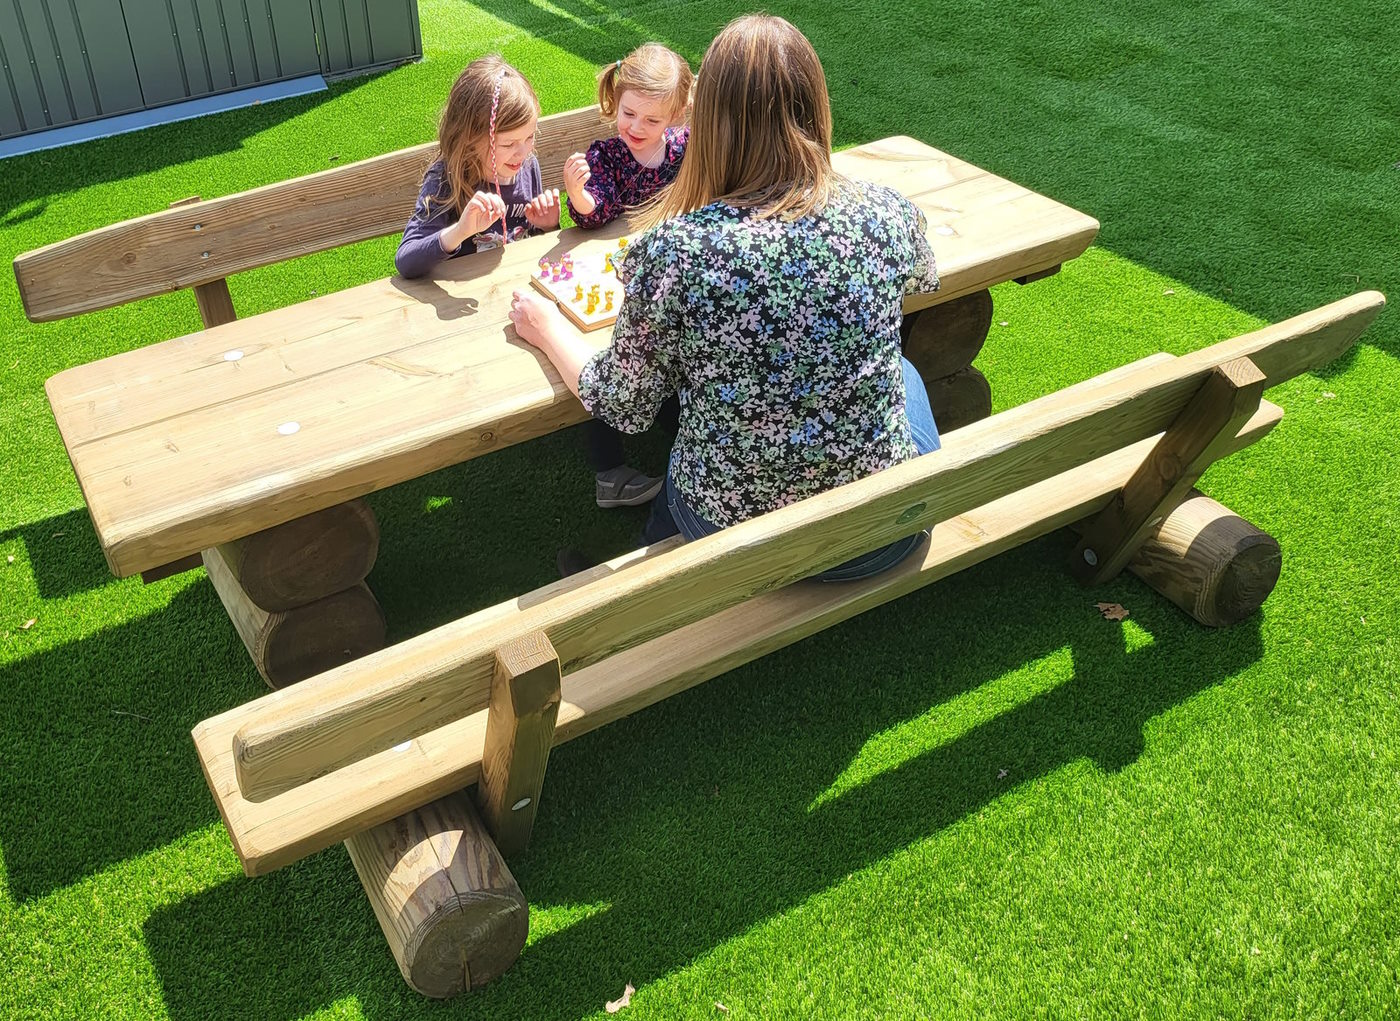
(626, 487)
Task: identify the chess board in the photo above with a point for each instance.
(584, 271)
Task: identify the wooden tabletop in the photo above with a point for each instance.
(196, 441)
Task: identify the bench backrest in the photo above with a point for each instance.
(201, 243)
(307, 731)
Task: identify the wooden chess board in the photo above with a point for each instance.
(582, 289)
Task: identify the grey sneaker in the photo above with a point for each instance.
(626, 487)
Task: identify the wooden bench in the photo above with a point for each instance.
(247, 446)
(377, 752)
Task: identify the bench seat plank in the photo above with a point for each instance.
(325, 723)
(396, 378)
(276, 832)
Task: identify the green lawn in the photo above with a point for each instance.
(981, 801)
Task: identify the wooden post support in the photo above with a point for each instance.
(1209, 561)
(1205, 427)
(1040, 274)
(306, 559)
(449, 907)
(519, 732)
(943, 339)
(960, 399)
(292, 645)
(214, 301)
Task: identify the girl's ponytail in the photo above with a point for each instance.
(608, 89)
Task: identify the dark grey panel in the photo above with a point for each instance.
(356, 29)
(192, 48)
(391, 29)
(24, 77)
(330, 29)
(155, 44)
(214, 50)
(108, 62)
(10, 123)
(61, 32)
(296, 37)
(264, 44)
(237, 49)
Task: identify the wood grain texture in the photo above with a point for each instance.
(519, 733)
(207, 241)
(272, 833)
(452, 913)
(394, 379)
(1209, 561)
(292, 645)
(306, 559)
(1210, 420)
(315, 729)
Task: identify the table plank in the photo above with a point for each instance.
(177, 445)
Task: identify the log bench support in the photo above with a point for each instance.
(941, 341)
(296, 592)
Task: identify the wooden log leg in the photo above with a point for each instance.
(519, 732)
(295, 563)
(292, 645)
(944, 339)
(1209, 561)
(452, 912)
(1227, 399)
(960, 399)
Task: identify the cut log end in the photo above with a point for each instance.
(449, 907)
(1209, 561)
(469, 941)
(960, 399)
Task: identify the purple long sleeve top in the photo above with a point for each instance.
(420, 250)
(620, 182)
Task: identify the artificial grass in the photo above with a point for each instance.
(980, 801)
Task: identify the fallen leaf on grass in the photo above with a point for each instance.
(10, 559)
(1001, 774)
(29, 623)
(721, 1007)
(58, 535)
(1328, 394)
(1112, 611)
(613, 1006)
(1003, 323)
(1168, 292)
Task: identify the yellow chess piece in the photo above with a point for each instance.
(578, 292)
(608, 306)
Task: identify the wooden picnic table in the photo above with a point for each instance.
(193, 443)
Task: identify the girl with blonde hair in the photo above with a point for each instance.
(769, 295)
(485, 188)
(647, 93)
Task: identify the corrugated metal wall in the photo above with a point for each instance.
(63, 61)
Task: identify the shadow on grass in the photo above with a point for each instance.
(691, 818)
(64, 555)
(97, 763)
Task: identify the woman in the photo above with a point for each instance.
(768, 293)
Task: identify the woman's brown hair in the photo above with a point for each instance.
(651, 70)
(466, 123)
(760, 132)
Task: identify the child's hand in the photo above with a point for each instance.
(576, 175)
(543, 210)
(484, 209)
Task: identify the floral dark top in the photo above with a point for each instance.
(619, 181)
(782, 339)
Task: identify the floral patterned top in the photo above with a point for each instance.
(619, 181)
(782, 339)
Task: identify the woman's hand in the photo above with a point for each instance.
(543, 210)
(536, 319)
(540, 324)
(577, 174)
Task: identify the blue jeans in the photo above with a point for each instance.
(671, 514)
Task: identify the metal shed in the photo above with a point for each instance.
(70, 61)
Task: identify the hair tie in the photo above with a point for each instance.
(617, 68)
(495, 175)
